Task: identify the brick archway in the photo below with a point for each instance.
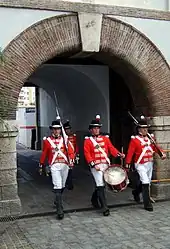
(60, 34)
(122, 47)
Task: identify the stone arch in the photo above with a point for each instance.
(122, 47)
(61, 35)
(138, 53)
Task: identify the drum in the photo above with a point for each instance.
(116, 178)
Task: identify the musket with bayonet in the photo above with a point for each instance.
(148, 135)
(65, 137)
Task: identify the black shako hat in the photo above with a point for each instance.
(67, 125)
(56, 123)
(95, 122)
(143, 123)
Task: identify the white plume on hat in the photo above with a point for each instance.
(97, 117)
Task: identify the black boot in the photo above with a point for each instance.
(136, 196)
(55, 190)
(102, 199)
(69, 181)
(59, 207)
(136, 192)
(146, 198)
(95, 199)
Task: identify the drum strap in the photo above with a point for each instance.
(147, 147)
(58, 149)
(97, 146)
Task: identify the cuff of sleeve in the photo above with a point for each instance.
(92, 164)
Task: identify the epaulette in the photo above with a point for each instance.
(132, 137)
(152, 135)
(86, 137)
(74, 135)
(44, 138)
(106, 135)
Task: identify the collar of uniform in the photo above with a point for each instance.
(70, 135)
(58, 136)
(140, 135)
(96, 136)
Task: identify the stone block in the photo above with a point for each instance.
(8, 160)
(162, 165)
(10, 207)
(8, 177)
(162, 136)
(15, 207)
(166, 120)
(90, 28)
(8, 144)
(9, 128)
(160, 191)
(9, 192)
(161, 174)
(158, 121)
(9, 201)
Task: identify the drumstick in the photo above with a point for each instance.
(168, 150)
(121, 159)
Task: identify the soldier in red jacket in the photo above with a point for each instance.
(141, 150)
(72, 138)
(73, 142)
(60, 157)
(96, 150)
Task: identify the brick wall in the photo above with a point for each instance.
(149, 83)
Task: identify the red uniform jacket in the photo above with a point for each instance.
(73, 140)
(136, 147)
(49, 152)
(93, 154)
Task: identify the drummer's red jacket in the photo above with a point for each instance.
(92, 154)
(136, 147)
(73, 140)
(48, 151)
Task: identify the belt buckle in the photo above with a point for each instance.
(97, 146)
(56, 149)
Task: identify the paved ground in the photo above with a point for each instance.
(36, 191)
(126, 228)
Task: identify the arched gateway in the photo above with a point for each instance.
(122, 47)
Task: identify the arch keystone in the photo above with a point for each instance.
(90, 30)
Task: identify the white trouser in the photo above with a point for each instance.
(59, 173)
(98, 175)
(145, 172)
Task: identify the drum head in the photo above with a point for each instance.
(115, 175)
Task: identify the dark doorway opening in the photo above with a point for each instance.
(121, 127)
(107, 94)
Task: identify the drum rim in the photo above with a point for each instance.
(117, 166)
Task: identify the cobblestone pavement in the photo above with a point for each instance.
(126, 228)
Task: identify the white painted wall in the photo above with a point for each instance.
(13, 25)
(14, 21)
(147, 4)
(156, 31)
(25, 122)
(47, 108)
